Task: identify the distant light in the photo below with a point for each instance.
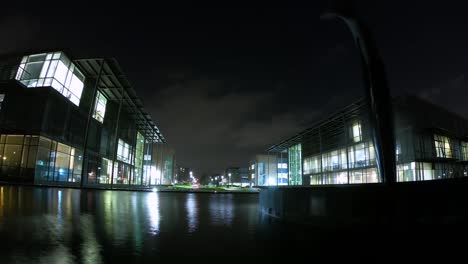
(155, 190)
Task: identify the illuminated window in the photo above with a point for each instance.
(140, 143)
(124, 152)
(100, 107)
(252, 167)
(2, 97)
(295, 164)
(52, 69)
(361, 155)
(334, 160)
(442, 146)
(415, 171)
(464, 150)
(356, 132)
(312, 165)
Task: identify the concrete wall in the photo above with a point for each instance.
(405, 204)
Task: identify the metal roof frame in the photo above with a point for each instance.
(115, 86)
(350, 111)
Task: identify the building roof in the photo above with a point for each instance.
(113, 83)
(351, 111)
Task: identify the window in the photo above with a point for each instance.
(52, 69)
(356, 132)
(464, 150)
(312, 165)
(334, 160)
(140, 143)
(2, 97)
(364, 176)
(415, 171)
(442, 146)
(124, 152)
(100, 107)
(361, 155)
(336, 178)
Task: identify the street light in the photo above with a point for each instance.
(376, 90)
(229, 174)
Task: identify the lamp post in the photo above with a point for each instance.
(229, 174)
(377, 93)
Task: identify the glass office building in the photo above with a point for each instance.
(72, 122)
(431, 143)
(270, 169)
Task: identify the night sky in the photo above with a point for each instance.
(226, 83)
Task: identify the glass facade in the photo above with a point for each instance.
(50, 160)
(52, 69)
(340, 149)
(100, 107)
(295, 165)
(44, 160)
(52, 151)
(168, 168)
(352, 164)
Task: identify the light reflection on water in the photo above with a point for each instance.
(92, 226)
(53, 225)
(191, 207)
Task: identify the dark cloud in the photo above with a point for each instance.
(213, 132)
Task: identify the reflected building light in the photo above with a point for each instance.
(1, 200)
(59, 204)
(221, 210)
(91, 248)
(152, 205)
(192, 214)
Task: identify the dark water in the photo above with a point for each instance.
(54, 225)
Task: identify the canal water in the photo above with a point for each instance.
(60, 225)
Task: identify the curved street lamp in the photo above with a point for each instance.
(377, 93)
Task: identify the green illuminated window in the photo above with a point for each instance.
(442, 146)
(295, 164)
(139, 158)
(464, 150)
